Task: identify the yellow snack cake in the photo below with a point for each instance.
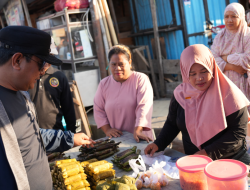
(104, 174)
(85, 163)
(102, 167)
(75, 178)
(65, 161)
(91, 165)
(78, 184)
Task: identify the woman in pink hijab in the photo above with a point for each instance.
(231, 48)
(207, 108)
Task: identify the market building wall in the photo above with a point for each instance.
(195, 18)
(194, 12)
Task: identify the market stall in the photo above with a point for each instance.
(127, 142)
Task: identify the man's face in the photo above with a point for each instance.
(45, 68)
(30, 72)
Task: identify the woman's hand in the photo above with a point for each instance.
(232, 67)
(239, 69)
(201, 152)
(83, 139)
(113, 133)
(139, 135)
(224, 57)
(151, 149)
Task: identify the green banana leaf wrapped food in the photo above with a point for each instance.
(123, 183)
(124, 154)
(105, 186)
(121, 186)
(122, 159)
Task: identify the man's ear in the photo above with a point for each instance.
(16, 61)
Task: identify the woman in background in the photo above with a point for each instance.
(124, 100)
(231, 48)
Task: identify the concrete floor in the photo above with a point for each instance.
(160, 112)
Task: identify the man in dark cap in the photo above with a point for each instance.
(23, 161)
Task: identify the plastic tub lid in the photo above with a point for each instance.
(226, 170)
(193, 163)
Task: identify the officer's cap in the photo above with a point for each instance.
(28, 40)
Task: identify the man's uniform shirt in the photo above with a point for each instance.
(52, 98)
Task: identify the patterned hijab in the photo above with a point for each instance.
(227, 42)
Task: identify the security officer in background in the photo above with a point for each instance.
(52, 98)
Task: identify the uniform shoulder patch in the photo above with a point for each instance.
(54, 82)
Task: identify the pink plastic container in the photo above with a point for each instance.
(191, 171)
(226, 174)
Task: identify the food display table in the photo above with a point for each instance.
(127, 141)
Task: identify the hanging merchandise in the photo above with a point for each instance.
(70, 4)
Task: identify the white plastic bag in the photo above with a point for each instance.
(158, 167)
(146, 183)
(171, 170)
(154, 184)
(136, 168)
(163, 180)
(157, 157)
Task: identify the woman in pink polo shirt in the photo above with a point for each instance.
(124, 100)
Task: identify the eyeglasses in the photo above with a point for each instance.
(40, 65)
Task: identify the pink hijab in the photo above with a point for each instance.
(233, 44)
(228, 41)
(206, 111)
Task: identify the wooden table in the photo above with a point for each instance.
(128, 142)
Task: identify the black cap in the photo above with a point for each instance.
(28, 40)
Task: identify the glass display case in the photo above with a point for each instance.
(72, 32)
